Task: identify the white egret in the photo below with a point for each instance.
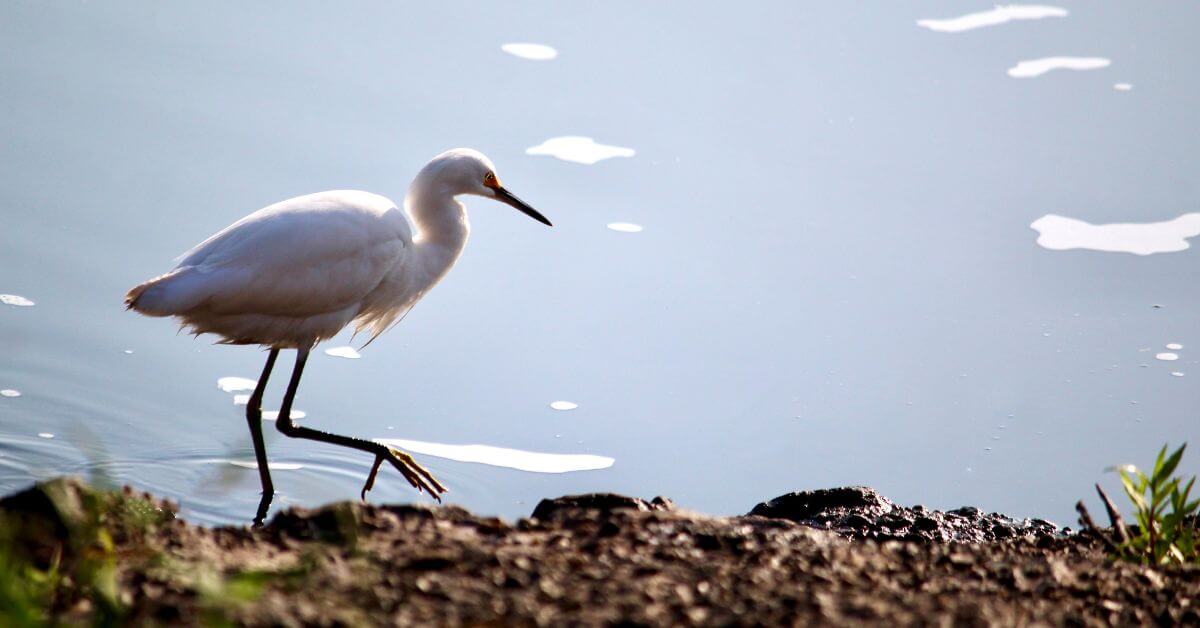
(295, 273)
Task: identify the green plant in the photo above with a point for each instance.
(59, 556)
(25, 591)
(1166, 531)
(32, 596)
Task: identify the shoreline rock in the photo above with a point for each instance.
(860, 512)
(595, 559)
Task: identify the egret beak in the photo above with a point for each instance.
(504, 196)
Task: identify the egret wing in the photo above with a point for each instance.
(308, 255)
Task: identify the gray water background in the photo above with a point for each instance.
(836, 284)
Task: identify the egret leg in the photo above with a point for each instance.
(416, 475)
(254, 418)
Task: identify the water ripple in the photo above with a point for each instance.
(533, 52)
(1038, 67)
(15, 300)
(532, 461)
(1060, 233)
(1002, 14)
(578, 149)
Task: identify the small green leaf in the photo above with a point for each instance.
(1179, 498)
(1158, 462)
(1169, 466)
(1143, 482)
(1135, 495)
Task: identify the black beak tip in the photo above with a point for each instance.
(505, 196)
(535, 214)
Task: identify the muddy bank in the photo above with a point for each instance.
(844, 556)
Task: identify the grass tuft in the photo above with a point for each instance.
(1166, 532)
(58, 556)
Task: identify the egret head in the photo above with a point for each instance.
(468, 171)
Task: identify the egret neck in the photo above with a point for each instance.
(440, 224)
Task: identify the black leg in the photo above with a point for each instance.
(285, 424)
(254, 419)
(413, 472)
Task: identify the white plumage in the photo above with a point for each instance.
(295, 273)
(288, 275)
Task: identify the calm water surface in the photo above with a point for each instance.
(833, 277)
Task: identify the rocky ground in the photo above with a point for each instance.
(840, 556)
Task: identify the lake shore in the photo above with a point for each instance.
(841, 557)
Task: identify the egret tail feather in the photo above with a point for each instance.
(147, 297)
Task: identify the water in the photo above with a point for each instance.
(999, 14)
(505, 457)
(837, 204)
(1037, 67)
(580, 150)
(1060, 233)
(15, 300)
(535, 52)
(350, 353)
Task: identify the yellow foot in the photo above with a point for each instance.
(418, 476)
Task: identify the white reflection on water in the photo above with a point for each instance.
(1122, 87)
(999, 15)
(15, 299)
(1168, 357)
(235, 384)
(625, 227)
(578, 149)
(563, 405)
(502, 457)
(1061, 233)
(241, 400)
(45, 435)
(1038, 67)
(272, 415)
(343, 352)
(1174, 346)
(534, 52)
(8, 392)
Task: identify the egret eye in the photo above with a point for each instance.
(489, 179)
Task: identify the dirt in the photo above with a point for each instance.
(837, 557)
